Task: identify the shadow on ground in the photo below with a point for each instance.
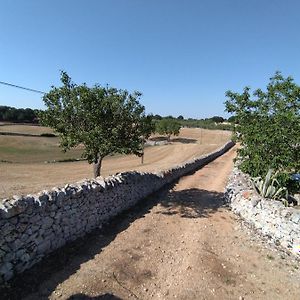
(42, 279)
(192, 203)
(184, 141)
(102, 297)
(175, 140)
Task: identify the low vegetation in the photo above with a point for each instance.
(268, 128)
(269, 187)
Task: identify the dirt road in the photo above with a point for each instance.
(182, 244)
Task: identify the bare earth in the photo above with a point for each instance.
(32, 176)
(180, 244)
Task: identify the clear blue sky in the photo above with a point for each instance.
(182, 55)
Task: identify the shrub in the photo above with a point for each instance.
(269, 187)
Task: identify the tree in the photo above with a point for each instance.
(168, 127)
(268, 126)
(180, 117)
(218, 119)
(157, 117)
(104, 119)
(147, 128)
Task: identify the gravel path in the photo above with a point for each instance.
(182, 244)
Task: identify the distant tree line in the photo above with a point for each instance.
(215, 122)
(28, 115)
(18, 115)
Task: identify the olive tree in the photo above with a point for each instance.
(268, 126)
(168, 127)
(104, 119)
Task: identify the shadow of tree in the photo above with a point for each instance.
(184, 140)
(192, 203)
(101, 297)
(42, 279)
(177, 140)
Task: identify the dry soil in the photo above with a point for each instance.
(182, 243)
(30, 175)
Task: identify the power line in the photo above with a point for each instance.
(21, 87)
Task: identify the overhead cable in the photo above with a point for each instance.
(21, 87)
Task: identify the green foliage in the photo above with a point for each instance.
(268, 126)
(204, 123)
(218, 119)
(285, 179)
(157, 117)
(232, 119)
(168, 127)
(104, 119)
(269, 187)
(208, 123)
(18, 115)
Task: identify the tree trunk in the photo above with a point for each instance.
(169, 138)
(97, 167)
(142, 158)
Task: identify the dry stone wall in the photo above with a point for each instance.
(279, 223)
(35, 225)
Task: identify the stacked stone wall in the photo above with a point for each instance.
(35, 225)
(279, 223)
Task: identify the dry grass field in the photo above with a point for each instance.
(27, 149)
(29, 129)
(26, 172)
